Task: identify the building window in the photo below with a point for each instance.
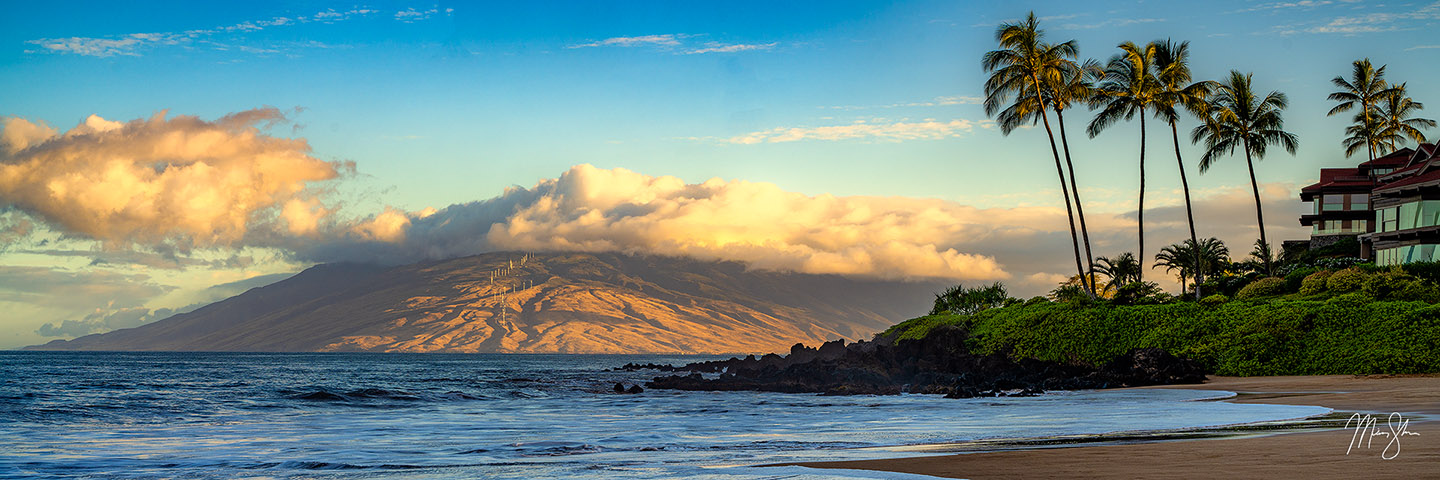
(1382, 171)
(1359, 201)
(1360, 226)
(1334, 202)
(1409, 215)
(1389, 219)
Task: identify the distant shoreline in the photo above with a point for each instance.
(1314, 452)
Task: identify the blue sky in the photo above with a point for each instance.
(439, 104)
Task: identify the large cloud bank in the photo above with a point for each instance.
(180, 182)
(592, 210)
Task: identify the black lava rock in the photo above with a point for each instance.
(938, 364)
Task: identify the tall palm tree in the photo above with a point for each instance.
(1022, 67)
(1177, 92)
(1236, 117)
(1396, 121)
(1129, 87)
(1077, 86)
(1364, 89)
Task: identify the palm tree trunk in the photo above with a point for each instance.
(1259, 217)
(1369, 142)
(1189, 214)
(1140, 213)
(1060, 171)
(1079, 206)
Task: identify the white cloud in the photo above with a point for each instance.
(666, 40)
(180, 182)
(714, 47)
(1405, 17)
(591, 209)
(1119, 22)
(894, 132)
(678, 43)
(136, 43)
(411, 15)
(941, 101)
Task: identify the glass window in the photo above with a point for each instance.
(1409, 214)
(1334, 202)
(1361, 226)
(1389, 219)
(1359, 201)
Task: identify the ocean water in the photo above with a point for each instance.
(224, 415)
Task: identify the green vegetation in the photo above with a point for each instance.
(1265, 287)
(1346, 334)
(1303, 311)
(958, 300)
(1357, 320)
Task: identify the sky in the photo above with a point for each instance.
(158, 156)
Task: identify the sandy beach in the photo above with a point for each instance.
(1311, 454)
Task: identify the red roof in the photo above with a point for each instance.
(1429, 176)
(1339, 177)
(1396, 158)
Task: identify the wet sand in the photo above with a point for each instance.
(1310, 454)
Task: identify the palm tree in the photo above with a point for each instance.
(1236, 117)
(1077, 86)
(1022, 67)
(1172, 71)
(1129, 87)
(1211, 255)
(1364, 89)
(1365, 133)
(1395, 111)
(1124, 269)
(1264, 253)
(1180, 257)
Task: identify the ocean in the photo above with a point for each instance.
(344, 415)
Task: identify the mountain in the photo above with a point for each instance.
(533, 303)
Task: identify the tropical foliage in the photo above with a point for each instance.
(959, 300)
(1031, 78)
(1345, 334)
(1127, 89)
(1236, 117)
(1364, 89)
(1022, 70)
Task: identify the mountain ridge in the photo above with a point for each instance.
(511, 302)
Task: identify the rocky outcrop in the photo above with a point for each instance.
(938, 364)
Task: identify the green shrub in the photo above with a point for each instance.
(967, 301)
(1214, 300)
(1429, 271)
(1230, 285)
(1347, 334)
(1069, 293)
(1135, 292)
(1398, 285)
(1315, 283)
(1036, 300)
(1347, 280)
(1294, 280)
(1265, 287)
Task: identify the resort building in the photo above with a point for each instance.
(1391, 205)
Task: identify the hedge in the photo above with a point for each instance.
(1346, 334)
